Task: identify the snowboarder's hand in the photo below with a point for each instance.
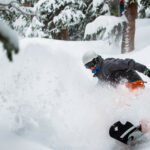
(147, 72)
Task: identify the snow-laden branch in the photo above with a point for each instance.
(5, 9)
(13, 5)
(9, 39)
(9, 4)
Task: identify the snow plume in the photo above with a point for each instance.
(48, 97)
(44, 103)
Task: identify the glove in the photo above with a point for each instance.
(147, 72)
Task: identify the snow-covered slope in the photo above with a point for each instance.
(48, 99)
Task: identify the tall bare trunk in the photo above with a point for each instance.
(64, 34)
(129, 27)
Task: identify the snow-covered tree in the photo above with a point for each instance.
(35, 29)
(28, 3)
(16, 15)
(94, 9)
(100, 26)
(108, 28)
(66, 19)
(58, 19)
(59, 16)
(144, 10)
(110, 31)
(145, 3)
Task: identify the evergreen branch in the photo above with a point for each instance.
(11, 4)
(9, 47)
(89, 7)
(57, 12)
(5, 9)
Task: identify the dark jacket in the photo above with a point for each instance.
(114, 70)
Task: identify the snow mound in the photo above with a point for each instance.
(102, 22)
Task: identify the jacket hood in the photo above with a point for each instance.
(100, 60)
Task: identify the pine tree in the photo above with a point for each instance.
(66, 19)
(57, 19)
(16, 16)
(95, 9)
(28, 3)
(59, 16)
(145, 3)
(92, 10)
(143, 10)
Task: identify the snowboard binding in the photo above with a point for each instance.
(126, 133)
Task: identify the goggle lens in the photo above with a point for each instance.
(90, 65)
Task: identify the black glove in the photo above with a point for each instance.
(147, 72)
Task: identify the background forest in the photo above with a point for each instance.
(76, 19)
(66, 19)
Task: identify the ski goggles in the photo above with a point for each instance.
(90, 64)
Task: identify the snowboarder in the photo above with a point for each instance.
(114, 71)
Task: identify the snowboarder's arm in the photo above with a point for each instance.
(143, 69)
(136, 66)
(124, 64)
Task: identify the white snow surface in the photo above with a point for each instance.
(49, 101)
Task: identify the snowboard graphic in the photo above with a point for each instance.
(126, 133)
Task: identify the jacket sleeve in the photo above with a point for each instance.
(112, 65)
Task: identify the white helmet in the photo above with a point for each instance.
(88, 56)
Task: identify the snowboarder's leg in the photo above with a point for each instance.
(135, 85)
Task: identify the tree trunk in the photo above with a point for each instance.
(129, 27)
(64, 34)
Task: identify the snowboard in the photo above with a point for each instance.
(126, 133)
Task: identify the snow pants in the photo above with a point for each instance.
(135, 85)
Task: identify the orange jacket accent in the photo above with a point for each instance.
(135, 84)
